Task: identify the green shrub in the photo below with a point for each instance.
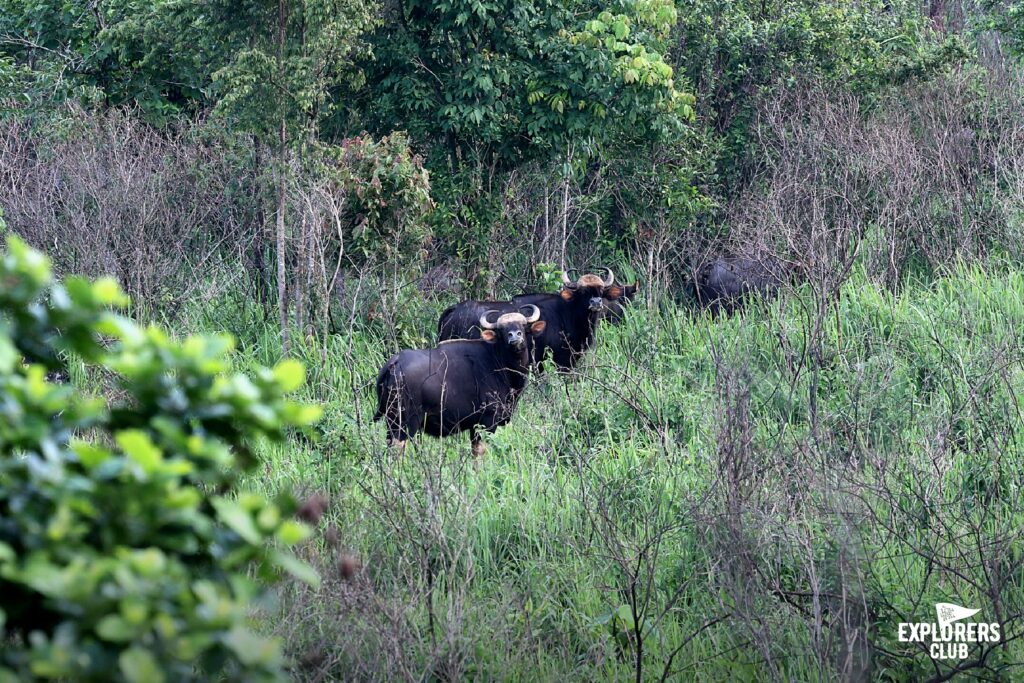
(386, 195)
(125, 553)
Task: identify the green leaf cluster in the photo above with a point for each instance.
(739, 54)
(126, 552)
(507, 80)
(386, 197)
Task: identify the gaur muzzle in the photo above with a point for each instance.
(515, 338)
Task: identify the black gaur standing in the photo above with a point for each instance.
(459, 385)
(571, 316)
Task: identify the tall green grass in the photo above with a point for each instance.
(811, 482)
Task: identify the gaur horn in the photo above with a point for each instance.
(534, 315)
(610, 280)
(484, 324)
(566, 281)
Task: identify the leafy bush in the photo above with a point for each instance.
(124, 552)
(386, 195)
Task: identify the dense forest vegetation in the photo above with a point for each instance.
(758, 494)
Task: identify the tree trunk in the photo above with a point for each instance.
(299, 280)
(310, 266)
(282, 243)
(257, 252)
(282, 288)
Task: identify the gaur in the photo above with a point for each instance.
(615, 308)
(571, 317)
(462, 384)
(724, 282)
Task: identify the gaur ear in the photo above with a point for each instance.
(538, 327)
(631, 289)
(566, 294)
(488, 335)
(613, 292)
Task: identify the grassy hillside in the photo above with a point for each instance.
(766, 495)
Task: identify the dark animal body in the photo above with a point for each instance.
(461, 321)
(458, 385)
(571, 318)
(723, 283)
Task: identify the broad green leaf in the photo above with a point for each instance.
(303, 415)
(114, 628)
(139, 666)
(107, 292)
(290, 375)
(89, 454)
(237, 519)
(296, 567)
(150, 562)
(139, 448)
(625, 615)
(291, 532)
(6, 553)
(8, 355)
(252, 649)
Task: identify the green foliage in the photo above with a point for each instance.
(549, 276)
(1006, 17)
(285, 65)
(736, 52)
(165, 56)
(386, 197)
(107, 52)
(504, 80)
(125, 553)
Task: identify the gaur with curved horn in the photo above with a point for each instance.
(531, 317)
(571, 316)
(460, 385)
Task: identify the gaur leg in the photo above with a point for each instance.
(399, 431)
(479, 448)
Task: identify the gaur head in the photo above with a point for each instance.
(596, 291)
(511, 328)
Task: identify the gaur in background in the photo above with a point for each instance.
(571, 316)
(462, 384)
(723, 283)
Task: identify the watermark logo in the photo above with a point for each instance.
(949, 637)
(948, 613)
